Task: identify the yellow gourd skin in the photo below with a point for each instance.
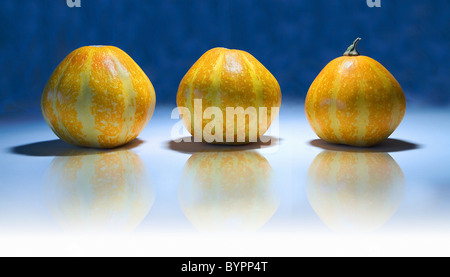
(355, 101)
(98, 97)
(229, 78)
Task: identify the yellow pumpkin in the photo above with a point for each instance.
(99, 190)
(355, 101)
(227, 191)
(224, 78)
(98, 97)
(355, 191)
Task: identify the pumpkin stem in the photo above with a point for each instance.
(351, 51)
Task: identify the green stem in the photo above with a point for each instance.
(351, 51)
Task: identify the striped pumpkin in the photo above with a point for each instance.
(229, 78)
(98, 97)
(355, 191)
(227, 191)
(355, 101)
(99, 190)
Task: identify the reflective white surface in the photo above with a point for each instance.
(155, 197)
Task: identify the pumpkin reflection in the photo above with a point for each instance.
(355, 191)
(227, 191)
(99, 190)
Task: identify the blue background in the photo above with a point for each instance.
(293, 39)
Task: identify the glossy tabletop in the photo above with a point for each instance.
(295, 196)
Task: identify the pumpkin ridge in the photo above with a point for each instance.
(84, 108)
(74, 136)
(257, 89)
(381, 75)
(57, 124)
(216, 80)
(129, 114)
(332, 109)
(191, 95)
(363, 113)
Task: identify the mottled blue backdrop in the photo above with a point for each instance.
(293, 39)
